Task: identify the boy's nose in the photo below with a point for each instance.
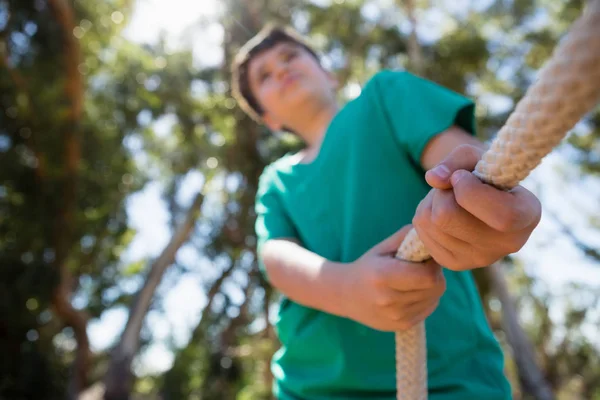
(281, 70)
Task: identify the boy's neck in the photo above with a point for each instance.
(313, 129)
(312, 132)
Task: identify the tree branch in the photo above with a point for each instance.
(565, 230)
(415, 55)
(118, 379)
(214, 289)
(530, 375)
(253, 13)
(65, 221)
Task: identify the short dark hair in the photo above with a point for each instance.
(267, 38)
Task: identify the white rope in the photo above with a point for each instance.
(567, 88)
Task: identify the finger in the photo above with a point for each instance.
(391, 244)
(455, 227)
(397, 299)
(408, 312)
(463, 157)
(406, 276)
(424, 208)
(409, 316)
(504, 211)
(457, 240)
(429, 233)
(441, 254)
(425, 313)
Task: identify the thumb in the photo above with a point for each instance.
(462, 157)
(391, 244)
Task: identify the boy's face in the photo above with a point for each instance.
(286, 79)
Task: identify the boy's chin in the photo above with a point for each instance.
(304, 98)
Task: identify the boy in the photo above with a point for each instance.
(330, 218)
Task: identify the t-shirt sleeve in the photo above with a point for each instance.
(417, 109)
(272, 221)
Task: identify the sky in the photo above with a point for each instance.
(547, 255)
(174, 17)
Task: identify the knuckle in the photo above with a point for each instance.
(431, 309)
(431, 278)
(480, 262)
(508, 220)
(442, 286)
(453, 264)
(421, 216)
(423, 212)
(397, 316)
(418, 219)
(384, 301)
(537, 209)
(468, 150)
(482, 259)
(463, 193)
(443, 214)
(377, 276)
(404, 325)
(377, 281)
(515, 245)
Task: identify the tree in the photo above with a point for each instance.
(64, 221)
(118, 376)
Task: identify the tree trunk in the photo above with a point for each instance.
(119, 379)
(531, 377)
(415, 56)
(267, 333)
(65, 221)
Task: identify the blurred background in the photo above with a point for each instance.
(128, 177)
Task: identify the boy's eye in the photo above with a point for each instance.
(289, 55)
(263, 77)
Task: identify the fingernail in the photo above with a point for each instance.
(457, 176)
(441, 171)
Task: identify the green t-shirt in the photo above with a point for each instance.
(364, 185)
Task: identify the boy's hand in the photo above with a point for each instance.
(466, 223)
(389, 294)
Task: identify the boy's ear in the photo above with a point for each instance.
(333, 80)
(271, 123)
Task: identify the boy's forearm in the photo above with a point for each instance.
(305, 277)
(444, 143)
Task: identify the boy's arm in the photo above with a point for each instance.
(304, 276)
(441, 145)
(376, 290)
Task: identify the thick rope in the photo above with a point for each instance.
(566, 89)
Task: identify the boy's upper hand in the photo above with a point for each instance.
(466, 223)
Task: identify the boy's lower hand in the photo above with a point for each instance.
(465, 223)
(388, 294)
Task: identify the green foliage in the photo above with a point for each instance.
(41, 217)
